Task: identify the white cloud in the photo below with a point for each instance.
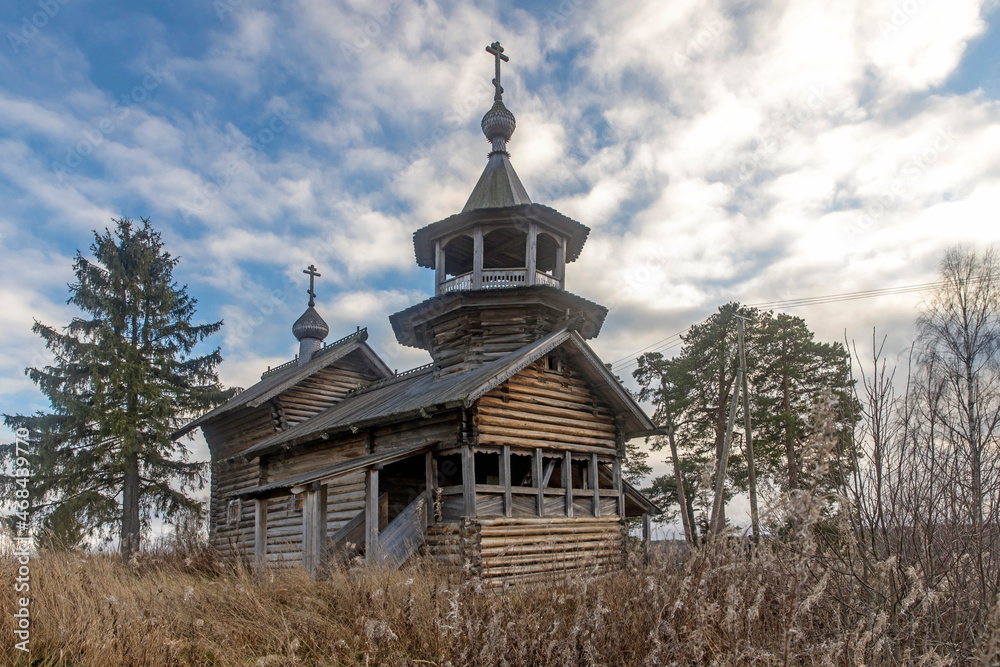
(719, 150)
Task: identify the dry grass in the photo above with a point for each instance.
(716, 606)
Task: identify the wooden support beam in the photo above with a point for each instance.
(547, 475)
(616, 471)
(477, 257)
(372, 551)
(647, 529)
(439, 274)
(469, 480)
(505, 481)
(260, 532)
(429, 486)
(538, 482)
(531, 253)
(560, 270)
(319, 528)
(314, 528)
(595, 481)
(308, 535)
(567, 480)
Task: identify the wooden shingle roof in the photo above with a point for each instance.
(418, 394)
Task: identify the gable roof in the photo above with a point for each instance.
(279, 379)
(419, 393)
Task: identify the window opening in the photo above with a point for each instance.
(450, 470)
(504, 248)
(233, 512)
(487, 468)
(521, 470)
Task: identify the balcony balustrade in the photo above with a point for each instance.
(497, 279)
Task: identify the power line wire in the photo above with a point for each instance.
(668, 342)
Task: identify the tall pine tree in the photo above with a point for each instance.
(789, 373)
(122, 380)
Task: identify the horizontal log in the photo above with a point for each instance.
(523, 531)
(538, 406)
(568, 540)
(518, 385)
(571, 429)
(555, 380)
(520, 549)
(555, 521)
(561, 564)
(597, 555)
(580, 424)
(528, 443)
(550, 401)
(491, 433)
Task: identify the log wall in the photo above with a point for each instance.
(237, 430)
(227, 436)
(322, 390)
(526, 550)
(541, 408)
(471, 337)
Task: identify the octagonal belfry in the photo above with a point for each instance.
(500, 268)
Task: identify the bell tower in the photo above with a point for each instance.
(500, 266)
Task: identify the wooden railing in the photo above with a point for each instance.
(497, 279)
(494, 278)
(546, 279)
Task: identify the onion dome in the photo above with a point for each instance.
(310, 325)
(498, 126)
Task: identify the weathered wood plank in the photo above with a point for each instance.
(260, 530)
(505, 480)
(372, 554)
(567, 481)
(596, 483)
(538, 480)
(469, 481)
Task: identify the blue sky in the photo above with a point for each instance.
(719, 150)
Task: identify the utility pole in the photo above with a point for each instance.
(751, 465)
(720, 479)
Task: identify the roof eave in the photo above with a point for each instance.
(577, 232)
(265, 447)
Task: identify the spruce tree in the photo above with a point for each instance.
(123, 378)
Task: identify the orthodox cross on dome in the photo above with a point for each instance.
(497, 52)
(313, 275)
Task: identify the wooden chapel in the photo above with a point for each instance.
(502, 457)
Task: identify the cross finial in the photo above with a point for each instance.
(313, 275)
(497, 52)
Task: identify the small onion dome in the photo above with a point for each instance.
(310, 325)
(498, 123)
